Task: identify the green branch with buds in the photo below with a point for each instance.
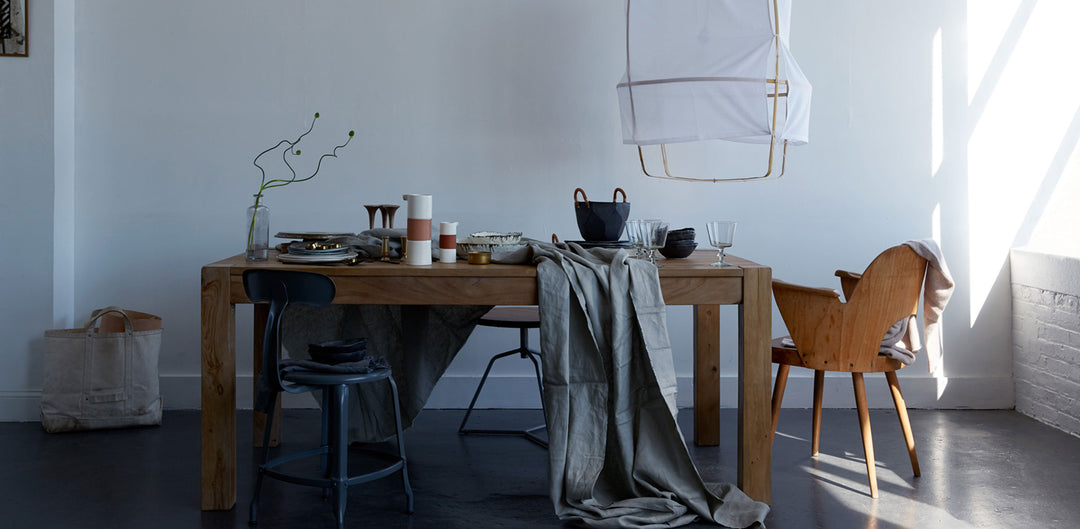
(290, 151)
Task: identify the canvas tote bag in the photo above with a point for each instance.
(96, 379)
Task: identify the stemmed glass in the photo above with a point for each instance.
(633, 232)
(654, 235)
(721, 235)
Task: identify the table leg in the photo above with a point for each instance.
(755, 373)
(258, 418)
(707, 375)
(218, 415)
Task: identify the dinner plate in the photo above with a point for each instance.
(302, 259)
(310, 235)
(329, 251)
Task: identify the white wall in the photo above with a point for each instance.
(26, 221)
(500, 109)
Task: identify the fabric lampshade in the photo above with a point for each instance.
(711, 70)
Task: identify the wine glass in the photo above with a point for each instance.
(654, 236)
(633, 232)
(721, 235)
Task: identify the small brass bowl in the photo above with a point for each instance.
(481, 258)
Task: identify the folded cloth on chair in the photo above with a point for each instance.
(364, 365)
(895, 342)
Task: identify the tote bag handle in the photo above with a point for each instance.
(97, 314)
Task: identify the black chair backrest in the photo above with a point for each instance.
(282, 288)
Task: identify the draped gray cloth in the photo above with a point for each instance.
(616, 455)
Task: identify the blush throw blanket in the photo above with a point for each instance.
(903, 338)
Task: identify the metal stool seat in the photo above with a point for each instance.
(282, 288)
(523, 319)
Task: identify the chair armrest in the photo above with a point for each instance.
(848, 280)
(814, 316)
(842, 274)
(784, 286)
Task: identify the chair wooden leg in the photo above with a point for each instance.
(905, 424)
(819, 387)
(778, 396)
(864, 426)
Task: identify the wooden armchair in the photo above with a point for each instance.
(831, 335)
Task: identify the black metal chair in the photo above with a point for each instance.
(523, 319)
(282, 288)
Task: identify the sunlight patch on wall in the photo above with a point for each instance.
(1029, 104)
(935, 223)
(1056, 232)
(942, 384)
(987, 23)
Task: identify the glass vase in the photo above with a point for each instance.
(258, 231)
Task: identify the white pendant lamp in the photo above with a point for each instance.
(700, 70)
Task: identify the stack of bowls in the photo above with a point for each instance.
(338, 351)
(680, 243)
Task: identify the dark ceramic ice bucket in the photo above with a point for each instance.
(601, 221)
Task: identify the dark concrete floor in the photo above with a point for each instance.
(984, 469)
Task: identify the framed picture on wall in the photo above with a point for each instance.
(14, 26)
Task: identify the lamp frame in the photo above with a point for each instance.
(776, 94)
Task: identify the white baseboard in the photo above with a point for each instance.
(20, 405)
(454, 392)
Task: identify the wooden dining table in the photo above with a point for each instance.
(691, 281)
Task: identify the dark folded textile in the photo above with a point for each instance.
(366, 364)
(338, 351)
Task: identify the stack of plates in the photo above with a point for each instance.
(306, 252)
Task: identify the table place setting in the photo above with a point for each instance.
(303, 252)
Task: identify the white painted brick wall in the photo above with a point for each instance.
(1046, 338)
